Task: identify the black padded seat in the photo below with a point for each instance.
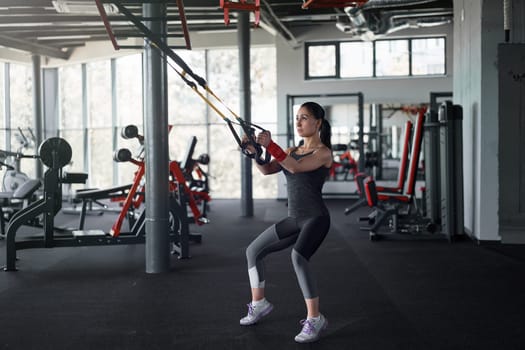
(11, 202)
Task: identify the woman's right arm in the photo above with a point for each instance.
(269, 168)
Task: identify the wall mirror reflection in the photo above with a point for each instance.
(367, 138)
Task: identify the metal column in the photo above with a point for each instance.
(243, 38)
(432, 164)
(50, 104)
(156, 146)
(361, 141)
(37, 110)
(378, 149)
(451, 166)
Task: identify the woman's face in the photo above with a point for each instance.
(305, 123)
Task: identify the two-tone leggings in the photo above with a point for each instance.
(306, 234)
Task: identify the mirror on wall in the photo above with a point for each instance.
(345, 114)
(366, 138)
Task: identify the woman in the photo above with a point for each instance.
(306, 168)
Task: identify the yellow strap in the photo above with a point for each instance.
(183, 73)
(218, 99)
(205, 99)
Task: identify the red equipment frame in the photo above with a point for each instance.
(243, 5)
(136, 195)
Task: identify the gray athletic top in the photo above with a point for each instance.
(304, 191)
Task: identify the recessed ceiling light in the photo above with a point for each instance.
(83, 7)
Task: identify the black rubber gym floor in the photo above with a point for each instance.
(390, 294)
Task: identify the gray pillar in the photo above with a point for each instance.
(50, 104)
(114, 117)
(85, 111)
(7, 107)
(37, 109)
(379, 141)
(243, 39)
(360, 143)
(50, 107)
(156, 146)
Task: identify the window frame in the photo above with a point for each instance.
(337, 45)
(444, 56)
(337, 60)
(372, 64)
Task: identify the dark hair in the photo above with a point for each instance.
(325, 132)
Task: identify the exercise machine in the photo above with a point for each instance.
(55, 153)
(344, 163)
(11, 202)
(132, 196)
(400, 210)
(13, 175)
(401, 177)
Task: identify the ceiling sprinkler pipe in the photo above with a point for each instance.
(507, 18)
(382, 4)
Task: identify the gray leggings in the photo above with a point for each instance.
(306, 234)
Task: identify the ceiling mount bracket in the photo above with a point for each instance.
(243, 5)
(141, 30)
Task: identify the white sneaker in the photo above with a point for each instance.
(311, 330)
(256, 312)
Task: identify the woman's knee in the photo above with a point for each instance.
(298, 260)
(251, 253)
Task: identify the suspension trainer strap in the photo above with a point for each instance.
(158, 43)
(248, 129)
(155, 39)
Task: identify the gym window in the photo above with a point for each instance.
(356, 59)
(321, 60)
(381, 58)
(428, 56)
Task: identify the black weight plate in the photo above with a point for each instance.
(55, 152)
(129, 132)
(122, 155)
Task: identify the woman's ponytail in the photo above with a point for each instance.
(325, 133)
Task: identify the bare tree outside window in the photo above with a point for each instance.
(357, 59)
(70, 115)
(2, 106)
(100, 123)
(21, 82)
(392, 58)
(321, 60)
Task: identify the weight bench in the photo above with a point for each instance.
(401, 175)
(87, 197)
(10, 202)
(359, 179)
(389, 205)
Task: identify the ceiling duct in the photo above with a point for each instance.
(356, 16)
(384, 4)
(378, 18)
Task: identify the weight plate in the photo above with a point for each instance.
(55, 152)
(122, 155)
(129, 132)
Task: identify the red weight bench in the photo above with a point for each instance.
(401, 175)
(389, 205)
